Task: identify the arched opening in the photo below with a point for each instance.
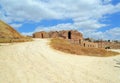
(42, 35)
(69, 35)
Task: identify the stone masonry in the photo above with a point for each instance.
(41, 34)
(72, 36)
(106, 44)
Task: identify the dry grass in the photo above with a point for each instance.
(6, 31)
(65, 46)
(9, 35)
(10, 40)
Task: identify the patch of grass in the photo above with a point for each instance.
(65, 46)
(11, 40)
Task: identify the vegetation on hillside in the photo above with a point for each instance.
(9, 34)
(6, 31)
(11, 40)
(65, 46)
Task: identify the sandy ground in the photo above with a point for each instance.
(36, 62)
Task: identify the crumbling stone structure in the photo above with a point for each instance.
(53, 34)
(72, 36)
(90, 44)
(41, 34)
(108, 45)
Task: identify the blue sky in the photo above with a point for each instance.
(43, 23)
(112, 21)
(97, 19)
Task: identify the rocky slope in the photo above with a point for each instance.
(6, 31)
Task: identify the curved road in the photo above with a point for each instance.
(36, 62)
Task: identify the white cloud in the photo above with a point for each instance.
(89, 24)
(83, 26)
(36, 10)
(16, 25)
(27, 33)
(106, 1)
(86, 14)
(113, 33)
(58, 27)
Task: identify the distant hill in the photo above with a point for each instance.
(6, 31)
(9, 35)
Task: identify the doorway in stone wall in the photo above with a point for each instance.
(69, 35)
(84, 44)
(42, 35)
(33, 35)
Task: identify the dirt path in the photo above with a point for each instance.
(36, 62)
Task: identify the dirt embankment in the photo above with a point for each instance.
(65, 46)
(36, 62)
(8, 34)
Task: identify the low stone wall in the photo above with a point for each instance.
(115, 45)
(84, 43)
(89, 44)
(105, 44)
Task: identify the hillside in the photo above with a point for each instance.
(67, 47)
(9, 35)
(6, 31)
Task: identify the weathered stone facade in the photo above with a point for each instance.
(41, 34)
(53, 34)
(72, 36)
(106, 44)
(76, 37)
(90, 44)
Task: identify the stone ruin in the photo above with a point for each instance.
(108, 44)
(72, 36)
(76, 37)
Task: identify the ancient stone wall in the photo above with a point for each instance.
(76, 37)
(72, 36)
(105, 44)
(41, 35)
(89, 44)
(53, 34)
(115, 45)
(63, 34)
